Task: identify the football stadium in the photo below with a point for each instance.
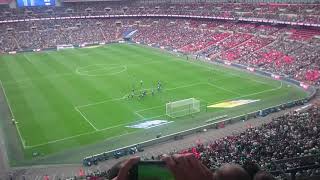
(208, 89)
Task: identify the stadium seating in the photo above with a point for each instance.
(261, 46)
(258, 144)
(246, 48)
(303, 34)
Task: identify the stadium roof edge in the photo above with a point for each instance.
(79, 1)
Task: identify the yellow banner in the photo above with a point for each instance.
(231, 104)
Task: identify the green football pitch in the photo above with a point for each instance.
(76, 100)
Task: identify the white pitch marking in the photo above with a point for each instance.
(83, 73)
(102, 68)
(84, 117)
(119, 64)
(100, 102)
(139, 115)
(183, 86)
(124, 68)
(190, 85)
(154, 107)
(62, 75)
(247, 95)
(62, 139)
(233, 92)
(268, 90)
(276, 88)
(79, 68)
(117, 99)
(211, 67)
(43, 77)
(28, 59)
(71, 137)
(16, 124)
(92, 132)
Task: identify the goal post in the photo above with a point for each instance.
(182, 107)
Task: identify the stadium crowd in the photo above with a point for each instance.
(292, 135)
(49, 34)
(283, 50)
(306, 13)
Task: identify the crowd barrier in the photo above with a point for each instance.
(290, 168)
(56, 48)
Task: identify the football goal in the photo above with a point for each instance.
(182, 107)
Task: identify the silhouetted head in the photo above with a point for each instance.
(251, 168)
(231, 172)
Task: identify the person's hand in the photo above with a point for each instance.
(187, 167)
(125, 166)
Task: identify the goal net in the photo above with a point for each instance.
(182, 107)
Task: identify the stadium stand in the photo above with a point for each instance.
(265, 46)
(291, 135)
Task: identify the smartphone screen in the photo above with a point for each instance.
(153, 171)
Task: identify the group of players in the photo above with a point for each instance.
(143, 92)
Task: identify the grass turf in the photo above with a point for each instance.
(67, 99)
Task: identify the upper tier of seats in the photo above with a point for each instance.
(305, 13)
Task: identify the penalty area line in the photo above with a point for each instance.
(124, 97)
(84, 117)
(252, 94)
(92, 132)
(224, 89)
(100, 102)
